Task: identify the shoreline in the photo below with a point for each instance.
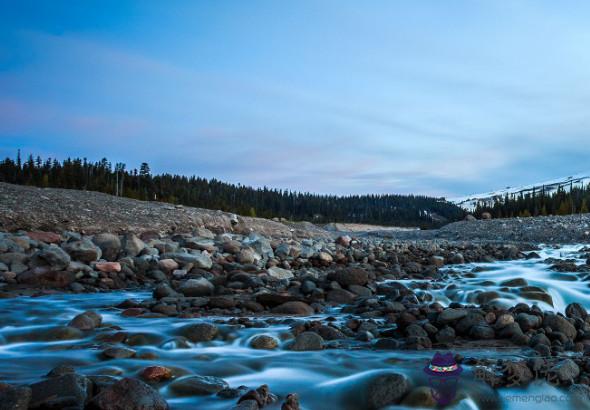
(369, 292)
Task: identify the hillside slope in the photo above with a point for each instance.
(52, 209)
(469, 202)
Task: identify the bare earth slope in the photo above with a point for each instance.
(51, 209)
(543, 229)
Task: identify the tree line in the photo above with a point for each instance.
(117, 179)
(539, 202)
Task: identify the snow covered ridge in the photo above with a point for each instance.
(470, 201)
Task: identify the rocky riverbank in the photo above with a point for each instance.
(203, 309)
(360, 294)
(202, 263)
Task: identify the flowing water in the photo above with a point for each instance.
(329, 379)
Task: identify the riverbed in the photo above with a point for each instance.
(333, 378)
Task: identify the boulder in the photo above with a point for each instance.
(108, 267)
(264, 342)
(58, 392)
(248, 256)
(163, 291)
(445, 335)
(528, 322)
(350, 276)
(155, 374)
(199, 332)
(482, 332)
(280, 273)
(14, 397)
(52, 256)
(118, 353)
(128, 394)
(386, 390)
(565, 371)
(325, 258)
(340, 296)
(198, 259)
(574, 310)
(197, 385)
(86, 321)
(167, 265)
(83, 251)
(133, 245)
(291, 402)
(197, 287)
(344, 240)
(47, 237)
(307, 341)
(294, 308)
(560, 324)
(450, 315)
(110, 245)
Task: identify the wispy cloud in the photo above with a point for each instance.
(391, 98)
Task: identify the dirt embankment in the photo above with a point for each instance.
(51, 209)
(545, 229)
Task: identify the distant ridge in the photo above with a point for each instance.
(469, 202)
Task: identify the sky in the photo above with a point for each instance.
(443, 98)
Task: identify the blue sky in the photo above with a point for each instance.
(431, 97)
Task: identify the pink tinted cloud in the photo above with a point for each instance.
(23, 117)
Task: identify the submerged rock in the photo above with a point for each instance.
(59, 392)
(155, 373)
(294, 308)
(128, 394)
(385, 390)
(307, 341)
(14, 397)
(199, 332)
(197, 385)
(86, 321)
(264, 342)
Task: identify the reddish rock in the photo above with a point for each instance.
(291, 402)
(294, 308)
(86, 321)
(155, 373)
(131, 312)
(108, 267)
(344, 240)
(44, 276)
(47, 237)
(168, 265)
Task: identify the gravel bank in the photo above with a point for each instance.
(58, 210)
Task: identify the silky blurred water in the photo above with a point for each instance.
(329, 379)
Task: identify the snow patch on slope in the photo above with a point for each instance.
(469, 202)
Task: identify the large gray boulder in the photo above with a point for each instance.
(83, 251)
(53, 256)
(128, 394)
(197, 287)
(110, 245)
